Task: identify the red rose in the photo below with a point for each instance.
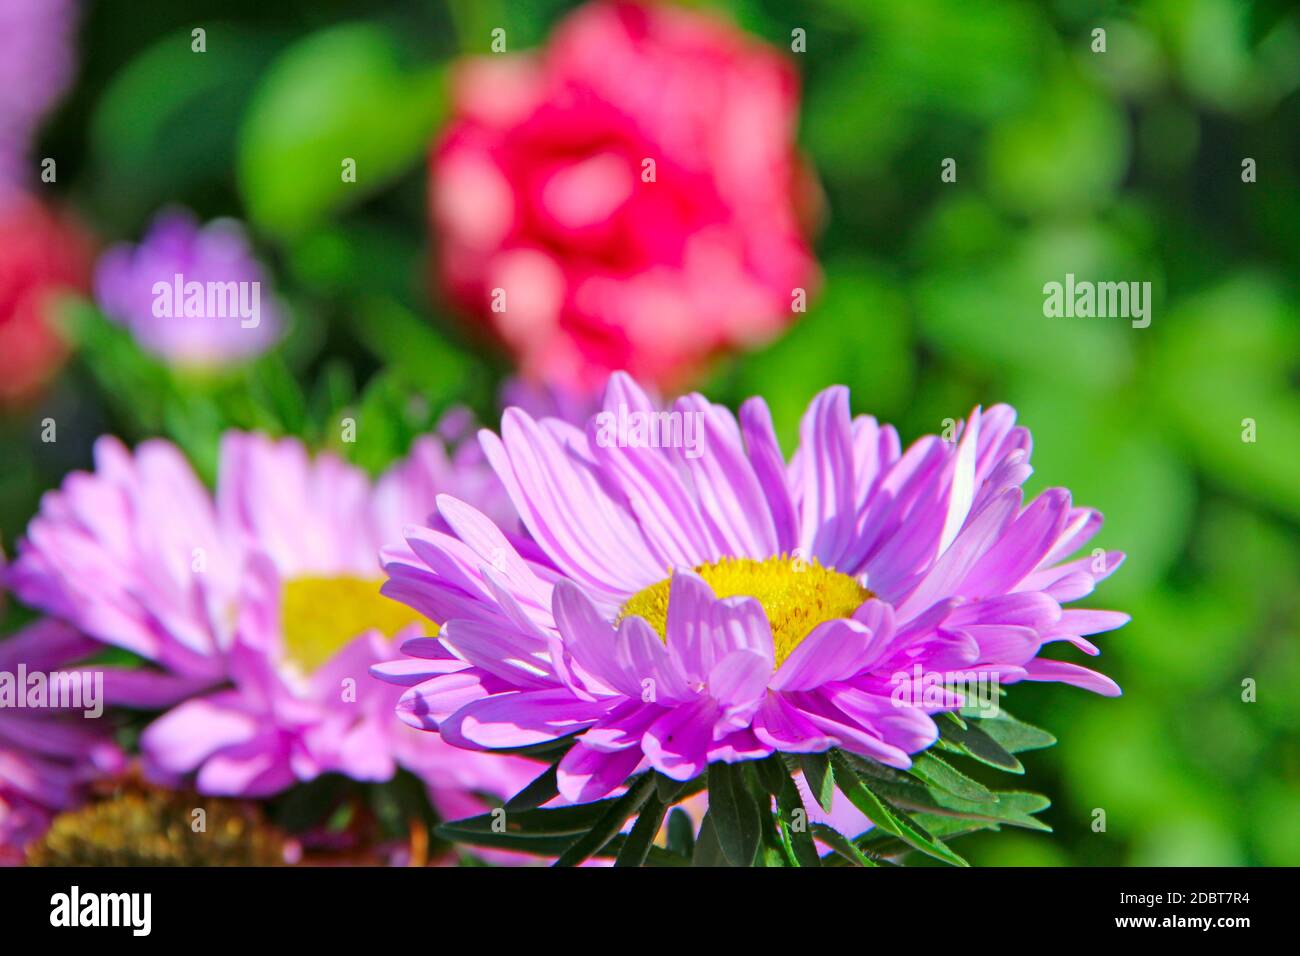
(629, 198)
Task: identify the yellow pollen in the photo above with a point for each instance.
(319, 615)
(797, 595)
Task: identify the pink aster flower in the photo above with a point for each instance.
(47, 753)
(724, 604)
(260, 604)
(194, 295)
(629, 197)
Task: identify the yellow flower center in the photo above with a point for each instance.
(796, 594)
(319, 615)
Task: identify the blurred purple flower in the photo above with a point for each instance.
(194, 295)
(46, 755)
(36, 65)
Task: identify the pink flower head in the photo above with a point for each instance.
(47, 752)
(629, 197)
(260, 604)
(194, 295)
(715, 602)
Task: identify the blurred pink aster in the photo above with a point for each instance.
(259, 604)
(36, 65)
(47, 755)
(134, 287)
(724, 605)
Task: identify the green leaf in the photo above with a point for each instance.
(543, 789)
(406, 341)
(842, 845)
(896, 823)
(1015, 736)
(735, 814)
(543, 832)
(667, 789)
(796, 834)
(772, 774)
(560, 821)
(937, 773)
(708, 850)
(272, 385)
(902, 790)
(555, 845)
(339, 94)
(636, 845)
(681, 833)
(885, 846)
(168, 120)
(974, 742)
(610, 823)
(821, 780)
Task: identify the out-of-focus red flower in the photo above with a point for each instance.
(42, 254)
(630, 197)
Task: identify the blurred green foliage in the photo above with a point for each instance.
(1122, 165)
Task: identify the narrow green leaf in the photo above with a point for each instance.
(772, 774)
(610, 823)
(657, 857)
(842, 845)
(897, 823)
(795, 826)
(904, 791)
(561, 821)
(273, 385)
(884, 846)
(735, 814)
(339, 94)
(708, 851)
(681, 833)
(938, 773)
(551, 750)
(974, 742)
(541, 790)
(668, 789)
(548, 846)
(774, 848)
(821, 779)
(1015, 736)
(636, 845)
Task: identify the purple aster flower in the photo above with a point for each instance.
(713, 602)
(259, 604)
(36, 65)
(47, 753)
(196, 296)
